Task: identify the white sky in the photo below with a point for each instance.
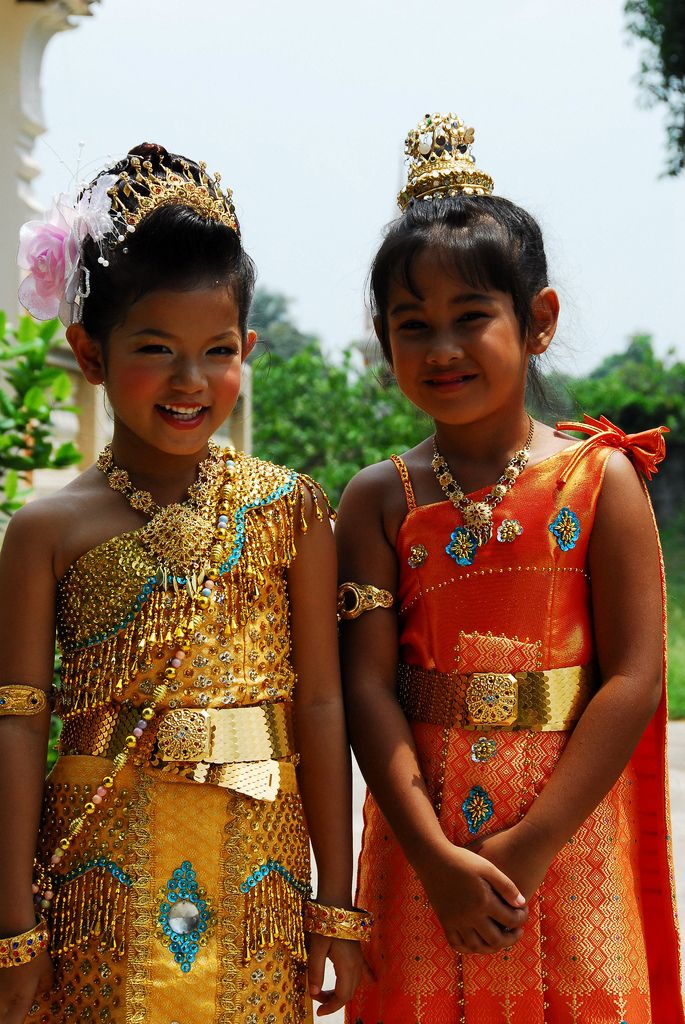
(304, 107)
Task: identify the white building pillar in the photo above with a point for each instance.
(26, 27)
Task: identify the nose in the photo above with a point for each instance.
(188, 375)
(444, 349)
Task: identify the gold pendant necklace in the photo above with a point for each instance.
(477, 515)
(181, 534)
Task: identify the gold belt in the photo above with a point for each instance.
(544, 701)
(237, 748)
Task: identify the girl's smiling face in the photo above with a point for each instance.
(457, 351)
(172, 369)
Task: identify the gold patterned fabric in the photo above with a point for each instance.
(181, 897)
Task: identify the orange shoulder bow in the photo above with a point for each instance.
(645, 449)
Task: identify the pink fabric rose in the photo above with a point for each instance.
(44, 252)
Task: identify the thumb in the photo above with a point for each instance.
(316, 964)
(504, 887)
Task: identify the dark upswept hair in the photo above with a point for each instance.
(174, 247)
(487, 241)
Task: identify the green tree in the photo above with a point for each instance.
(661, 25)
(31, 391)
(636, 389)
(270, 318)
(329, 420)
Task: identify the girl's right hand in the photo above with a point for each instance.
(480, 909)
(21, 985)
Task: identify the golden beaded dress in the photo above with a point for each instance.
(497, 664)
(177, 897)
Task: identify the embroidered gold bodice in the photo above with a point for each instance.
(119, 610)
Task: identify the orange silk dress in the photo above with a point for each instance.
(601, 943)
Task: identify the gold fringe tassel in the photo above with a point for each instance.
(274, 913)
(91, 905)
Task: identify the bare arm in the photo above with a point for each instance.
(324, 771)
(627, 613)
(384, 745)
(27, 643)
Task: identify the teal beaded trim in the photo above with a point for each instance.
(304, 889)
(184, 935)
(89, 865)
(237, 551)
(151, 582)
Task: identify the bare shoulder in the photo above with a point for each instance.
(375, 499)
(622, 490)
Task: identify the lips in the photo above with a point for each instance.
(450, 380)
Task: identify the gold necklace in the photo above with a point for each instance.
(200, 491)
(477, 515)
(180, 535)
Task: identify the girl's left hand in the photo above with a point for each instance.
(520, 852)
(348, 962)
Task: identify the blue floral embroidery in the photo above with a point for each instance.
(477, 808)
(566, 529)
(184, 916)
(462, 546)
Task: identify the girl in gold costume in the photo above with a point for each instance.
(506, 680)
(192, 591)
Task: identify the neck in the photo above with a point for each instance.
(491, 441)
(165, 475)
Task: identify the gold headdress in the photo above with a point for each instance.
(440, 162)
(136, 195)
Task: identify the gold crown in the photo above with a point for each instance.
(136, 195)
(440, 162)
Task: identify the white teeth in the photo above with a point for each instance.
(184, 412)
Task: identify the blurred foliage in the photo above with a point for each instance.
(329, 420)
(31, 391)
(661, 25)
(270, 318)
(635, 389)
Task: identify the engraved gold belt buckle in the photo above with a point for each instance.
(492, 698)
(184, 734)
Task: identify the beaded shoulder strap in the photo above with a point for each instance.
(401, 468)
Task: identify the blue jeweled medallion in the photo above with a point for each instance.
(462, 546)
(184, 916)
(566, 529)
(477, 809)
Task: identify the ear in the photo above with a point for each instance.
(545, 309)
(247, 345)
(88, 353)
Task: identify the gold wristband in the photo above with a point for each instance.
(22, 700)
(336, 923)
(356, 598)
(21, 949)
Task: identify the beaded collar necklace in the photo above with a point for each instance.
(477, 515)
(179, 535)
(200, 491)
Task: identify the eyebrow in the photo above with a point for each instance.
(155, 332)
(458, 300)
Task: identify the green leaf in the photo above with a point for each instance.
(35, 400)
(61, 386)
(11, 484)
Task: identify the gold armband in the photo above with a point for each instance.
(356, 598)
(22, 700)
(21, 949)
(336, 923)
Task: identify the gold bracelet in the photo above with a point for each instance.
(22, 700)
(336, 923)
(21, 949)
(363, 597)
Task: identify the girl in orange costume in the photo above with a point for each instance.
(505, 689)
